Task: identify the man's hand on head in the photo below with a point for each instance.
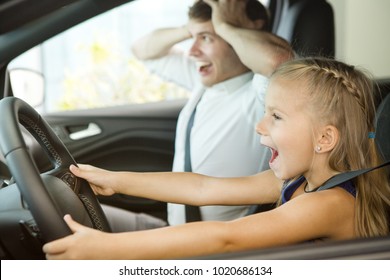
(232, 12)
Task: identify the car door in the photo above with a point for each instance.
(132, 137)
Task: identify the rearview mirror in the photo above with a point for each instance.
(27, 85)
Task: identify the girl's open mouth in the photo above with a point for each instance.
(274, 155)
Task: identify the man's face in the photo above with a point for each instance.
(216, 61)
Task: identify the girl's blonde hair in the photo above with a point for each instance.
(342, 96)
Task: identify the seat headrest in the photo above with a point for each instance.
(308, 25)
(382, 129)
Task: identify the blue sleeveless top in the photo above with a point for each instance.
(290, 188)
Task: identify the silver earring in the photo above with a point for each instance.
(318, 148)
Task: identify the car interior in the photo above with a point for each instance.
(136, 137)
(307, 25)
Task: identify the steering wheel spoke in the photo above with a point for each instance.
(67, 177)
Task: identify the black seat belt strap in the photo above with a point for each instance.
(346, 176)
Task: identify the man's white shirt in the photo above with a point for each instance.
(223, 138)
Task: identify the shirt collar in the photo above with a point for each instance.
(232, 84)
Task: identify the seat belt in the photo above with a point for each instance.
(346, 176)
(382, 120)
(192, 212)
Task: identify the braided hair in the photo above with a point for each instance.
(342, 95)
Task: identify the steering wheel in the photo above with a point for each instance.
(52, 194)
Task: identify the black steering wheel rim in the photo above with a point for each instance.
(45, 209)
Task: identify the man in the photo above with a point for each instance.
(215, 131)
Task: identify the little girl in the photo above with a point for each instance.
(318, 116)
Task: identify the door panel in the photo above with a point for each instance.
(133, 138)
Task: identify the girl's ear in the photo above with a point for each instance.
(328, 138)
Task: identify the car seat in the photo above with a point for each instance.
(308, 25)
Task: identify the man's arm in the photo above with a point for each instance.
(259, 50)
(159, 42)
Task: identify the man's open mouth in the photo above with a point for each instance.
(203, 66)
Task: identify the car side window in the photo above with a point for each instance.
(91, 65)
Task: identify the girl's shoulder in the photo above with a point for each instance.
(323, 214)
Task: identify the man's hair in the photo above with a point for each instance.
(254, 10)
